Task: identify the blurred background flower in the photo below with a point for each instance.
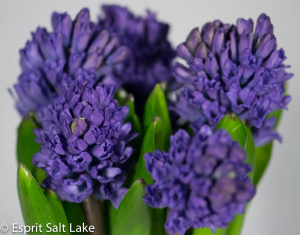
(151, 53)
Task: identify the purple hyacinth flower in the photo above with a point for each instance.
(32, 91)
(51, 56)
(84, 141)
(150, 51)
(266, 133)
(202, 180)
(232, 69)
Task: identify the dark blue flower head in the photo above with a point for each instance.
(84, 141)
(202, 180)
(150, 51)
(232, 68)
(73, 45)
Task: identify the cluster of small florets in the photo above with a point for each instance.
(84, 141)
(73, 45)
(232, 69)
(202, 180)
(122, 49)
(83, 135)
(151, 53)
(69, 78)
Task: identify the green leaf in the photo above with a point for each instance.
(262, 159)
(158, 218)
(57, 208)
(277, 114)
(110, 214)
(38, 174)
(156, 106)
(242, 134)
(26, 145)
(153, 139)
(132, 117)
(235, 127)
(75, 214)
(263, 153)
(157, 128)
(259, 159)
(207, 231)
(34, 204)
(250, 149)
(121, 96)
(135, 122)
(235, 227)
(133, 216)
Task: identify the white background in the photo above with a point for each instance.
(276, 208)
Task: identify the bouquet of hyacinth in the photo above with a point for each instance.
(120, 136)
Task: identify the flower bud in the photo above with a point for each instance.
(266, 46)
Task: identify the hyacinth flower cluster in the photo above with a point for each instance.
(136, 59)
(151, 53)
(202, 180)
(72, 45)
(72, 78)
(84, 142)
(77, 51)
(233, 68)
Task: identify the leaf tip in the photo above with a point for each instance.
(140, 181)
(51, 192)
(130, 98)
(163, 85)
(154, 119)
(23, 169)
(232, 116)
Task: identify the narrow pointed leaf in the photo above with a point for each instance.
(235, 227)
(235, 127)
(121, 96)
(153, 139)
(75, 214)
(58, 208)
(250, 149)
(263, 153)
(26, 145)
(133, 215)
(38, 174)
(207, 231)
(158, 218)
(277, 114)
(110, 213)
(135, 122)
(156, 105)
(132, 117)
(262, 159)
(34, 204)
(242, 134)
